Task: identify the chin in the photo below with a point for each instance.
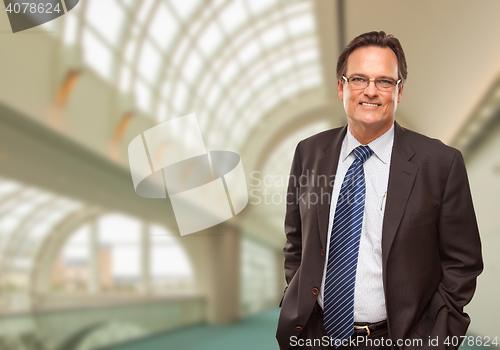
(369, 121)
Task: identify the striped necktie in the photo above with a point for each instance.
(338, 308)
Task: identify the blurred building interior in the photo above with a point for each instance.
(86, 263)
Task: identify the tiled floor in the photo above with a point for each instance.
(253, 333)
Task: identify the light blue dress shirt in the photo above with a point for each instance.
(369, 299)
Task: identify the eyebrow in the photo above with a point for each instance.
(386, 77)
(364, 76)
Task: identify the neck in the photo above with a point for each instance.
(367, 133)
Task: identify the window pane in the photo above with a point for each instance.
(261, 79)
(311, 81)
(297, 7)
(192, 67)
(118, 229)
(118, 251)
(161, 115)
(97, 55)
(143, 96)
(70, 28)
(149, 62)
(210, 40)
(282, 66)
(273, 36)
(170, 266)
(71, 266)
(163, 27)
(249, 52)
(106, 17)
(300, 25)
(213, 96)
(233, 16)
(228, 72)
(289, 90)
(243, 98)
(258, 6)
(181, 94)
(307, 56)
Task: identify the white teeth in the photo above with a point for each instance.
(369, 104)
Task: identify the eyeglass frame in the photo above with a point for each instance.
(374, 82)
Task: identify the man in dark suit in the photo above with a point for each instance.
(382, 247)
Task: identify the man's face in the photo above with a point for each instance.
(373, 63)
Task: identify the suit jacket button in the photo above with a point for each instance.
(322, 252)
(315, 291)
(298, 328)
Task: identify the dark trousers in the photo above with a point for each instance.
(314, 337)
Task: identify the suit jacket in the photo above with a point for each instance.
(431, 252)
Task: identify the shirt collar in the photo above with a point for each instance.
(381, 146)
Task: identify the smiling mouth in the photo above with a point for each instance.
(370, 104)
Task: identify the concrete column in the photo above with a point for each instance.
(93, 285)
(215, 255)
(145, 262)
(225, 303)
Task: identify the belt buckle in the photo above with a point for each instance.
(363, 327)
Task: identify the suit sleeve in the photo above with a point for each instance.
(460, 247)
(293, 223)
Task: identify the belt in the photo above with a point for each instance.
(369, 328)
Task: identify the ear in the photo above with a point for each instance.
(400, 93)
(340, 88)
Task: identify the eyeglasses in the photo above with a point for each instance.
(382, 84)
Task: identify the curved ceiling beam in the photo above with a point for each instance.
(285, 120)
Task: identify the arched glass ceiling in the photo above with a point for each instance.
(27, 218)
(229, 61)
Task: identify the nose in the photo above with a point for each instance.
(371, 90)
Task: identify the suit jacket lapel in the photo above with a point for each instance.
(402, 175)
(328, 166)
